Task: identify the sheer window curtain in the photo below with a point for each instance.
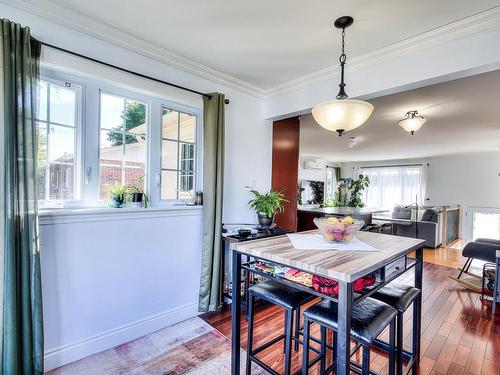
(394, 185)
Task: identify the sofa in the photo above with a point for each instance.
(429, 224)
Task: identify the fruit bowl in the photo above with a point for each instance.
(338, 230)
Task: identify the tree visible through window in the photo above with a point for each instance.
(123, 124)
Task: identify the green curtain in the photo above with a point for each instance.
(213, 167)
(21, 347)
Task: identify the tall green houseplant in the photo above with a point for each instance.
(266, 205)
(356, 188)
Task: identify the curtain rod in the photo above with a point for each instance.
(392, 165)
(226, 101)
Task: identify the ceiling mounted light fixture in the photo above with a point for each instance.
(412, 122)
(342, 114)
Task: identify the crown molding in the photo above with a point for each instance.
(110, 34)
(454, 30)
(107, 33)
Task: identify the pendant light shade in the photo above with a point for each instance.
(342, 115)
(412, 122)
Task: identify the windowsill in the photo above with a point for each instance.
(72, 215)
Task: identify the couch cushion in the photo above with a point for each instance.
(401, 212)
(428, 214)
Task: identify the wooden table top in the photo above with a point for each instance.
(339, 265)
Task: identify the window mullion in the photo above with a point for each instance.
(47, 133)
(91, 137)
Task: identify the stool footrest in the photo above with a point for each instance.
(382, 345)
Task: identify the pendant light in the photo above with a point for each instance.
(342, 114)
(412, 122)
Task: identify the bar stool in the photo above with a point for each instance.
(401, 297)
(369, 318)
(290, 300)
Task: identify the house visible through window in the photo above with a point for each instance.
(394, 185)
(57, 128)
(91, 135)
(122, 151)
(177, 155)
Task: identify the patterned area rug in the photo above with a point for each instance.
(191, 347)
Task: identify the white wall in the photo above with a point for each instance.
(311, 174)
(248, 135)
(103, 282)
(455, 51)
(470, 180)
(108, 281)
(467, 179)
(108, 278)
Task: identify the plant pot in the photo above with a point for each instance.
(117, 201)
(137, 199)
(265, 220)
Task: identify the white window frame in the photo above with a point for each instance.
(55, 79)
(133, 97)
(88, 138)
(198, 149)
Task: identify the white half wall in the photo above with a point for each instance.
(110, 277)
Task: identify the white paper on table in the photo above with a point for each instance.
(304, 241)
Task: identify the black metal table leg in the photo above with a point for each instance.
(344, 328)
(417, 307)
(236, 313)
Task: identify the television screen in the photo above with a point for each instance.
(314, 192)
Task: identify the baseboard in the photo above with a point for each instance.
(77, 350)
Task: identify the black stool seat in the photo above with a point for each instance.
(398, 296)
(369, 318)
(483, 249)
(279, 294)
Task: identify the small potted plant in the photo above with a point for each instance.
(117, 194)
(266, 206)
(136, 194)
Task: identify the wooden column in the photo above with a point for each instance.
(285, 168)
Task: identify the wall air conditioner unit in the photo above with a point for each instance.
(315, 164)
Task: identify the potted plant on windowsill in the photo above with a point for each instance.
(117, 194)
(266, 206)
(136, 194)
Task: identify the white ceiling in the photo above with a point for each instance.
(267, 43)
(462, 116)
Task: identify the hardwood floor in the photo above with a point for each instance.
(459, 335)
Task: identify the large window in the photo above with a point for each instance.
(122, 150)
(57, 134)
(178, 155)
(91, 135)
(394, 185)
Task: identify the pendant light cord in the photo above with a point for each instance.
(342, 94)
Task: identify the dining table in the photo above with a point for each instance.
(388, 258)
